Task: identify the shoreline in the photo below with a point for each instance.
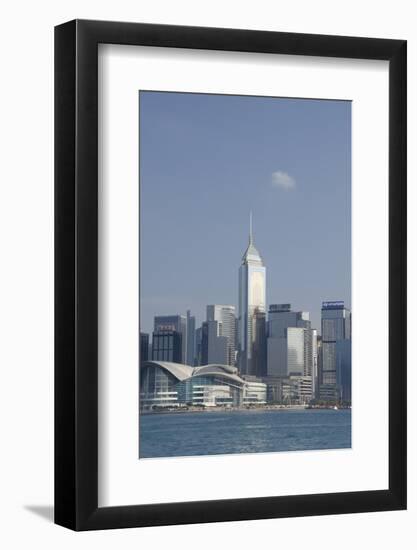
(275, 408)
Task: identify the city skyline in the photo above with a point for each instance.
(204, 317)
(193, 230)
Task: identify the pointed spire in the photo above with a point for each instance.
(251, 255)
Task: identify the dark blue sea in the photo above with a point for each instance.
(256, 431)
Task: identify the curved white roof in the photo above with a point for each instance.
(215, 367)
(182, 372)
(220, 374)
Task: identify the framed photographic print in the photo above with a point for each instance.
(230, 337)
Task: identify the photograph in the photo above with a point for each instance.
(245, 274)
(208, 235)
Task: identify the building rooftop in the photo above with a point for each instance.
(183, 372)
(251, 255)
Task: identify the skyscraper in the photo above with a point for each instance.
(344, 369)
(291, 342)
(252, 284)
(259, 363)
(214, 345)
(169, 338)
(312, 367)
(335, 327)
(166, 346)
(191, 343)
(199, 346)
(292, 350)
(224, 315)
(144, 347)
(280, 317)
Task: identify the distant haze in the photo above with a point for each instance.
(206, 161)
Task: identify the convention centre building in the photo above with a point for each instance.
(171, 385)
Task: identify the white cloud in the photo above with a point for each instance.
(282, 180)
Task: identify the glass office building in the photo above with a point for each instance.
(169, 338)
(225, 317)
(191, 340)
(335, 328)
(252, 302)
(144, 346)
(291, 343)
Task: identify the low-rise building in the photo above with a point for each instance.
(167, 384)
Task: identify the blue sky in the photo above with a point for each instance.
(205, 162)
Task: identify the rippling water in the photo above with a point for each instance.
(207, 433)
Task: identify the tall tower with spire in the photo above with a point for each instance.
(252, 303)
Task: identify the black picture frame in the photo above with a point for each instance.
(76, 273)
